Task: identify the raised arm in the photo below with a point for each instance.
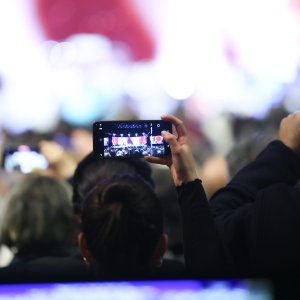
(234, 207)
(279, 162)
(203, 250)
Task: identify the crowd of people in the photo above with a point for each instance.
(109, 218)
(129, 151)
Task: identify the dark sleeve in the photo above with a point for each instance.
(203, 249)
(233, 206)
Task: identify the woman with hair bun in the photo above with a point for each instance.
(122, 228)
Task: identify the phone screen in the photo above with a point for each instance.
(130, 138)
(24, 159)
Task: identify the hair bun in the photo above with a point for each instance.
(116, 192)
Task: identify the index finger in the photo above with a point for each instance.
(158, 160)
(179, 125)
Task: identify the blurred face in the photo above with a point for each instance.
(82, 142)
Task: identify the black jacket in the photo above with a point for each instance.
(258, 214)
(204, 253)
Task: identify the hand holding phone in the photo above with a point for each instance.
(181, 162)
(130, 138)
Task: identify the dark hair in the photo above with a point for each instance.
(246, 149)
(38, 219)
(92, 169)
(122, 221)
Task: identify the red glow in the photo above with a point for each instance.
(115, 19)
(159, 138)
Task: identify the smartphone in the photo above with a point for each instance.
(23, 158)
(130, 138)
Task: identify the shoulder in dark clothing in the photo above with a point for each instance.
(46, 269)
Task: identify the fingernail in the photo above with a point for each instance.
(164, 132)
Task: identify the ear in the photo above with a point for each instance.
(161, 247)
(84, 250)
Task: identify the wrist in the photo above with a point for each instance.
(291, 146)
(188, 183)
(186, 180)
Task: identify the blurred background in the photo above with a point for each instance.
(228, 68)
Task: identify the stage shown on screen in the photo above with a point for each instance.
(130, 138)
